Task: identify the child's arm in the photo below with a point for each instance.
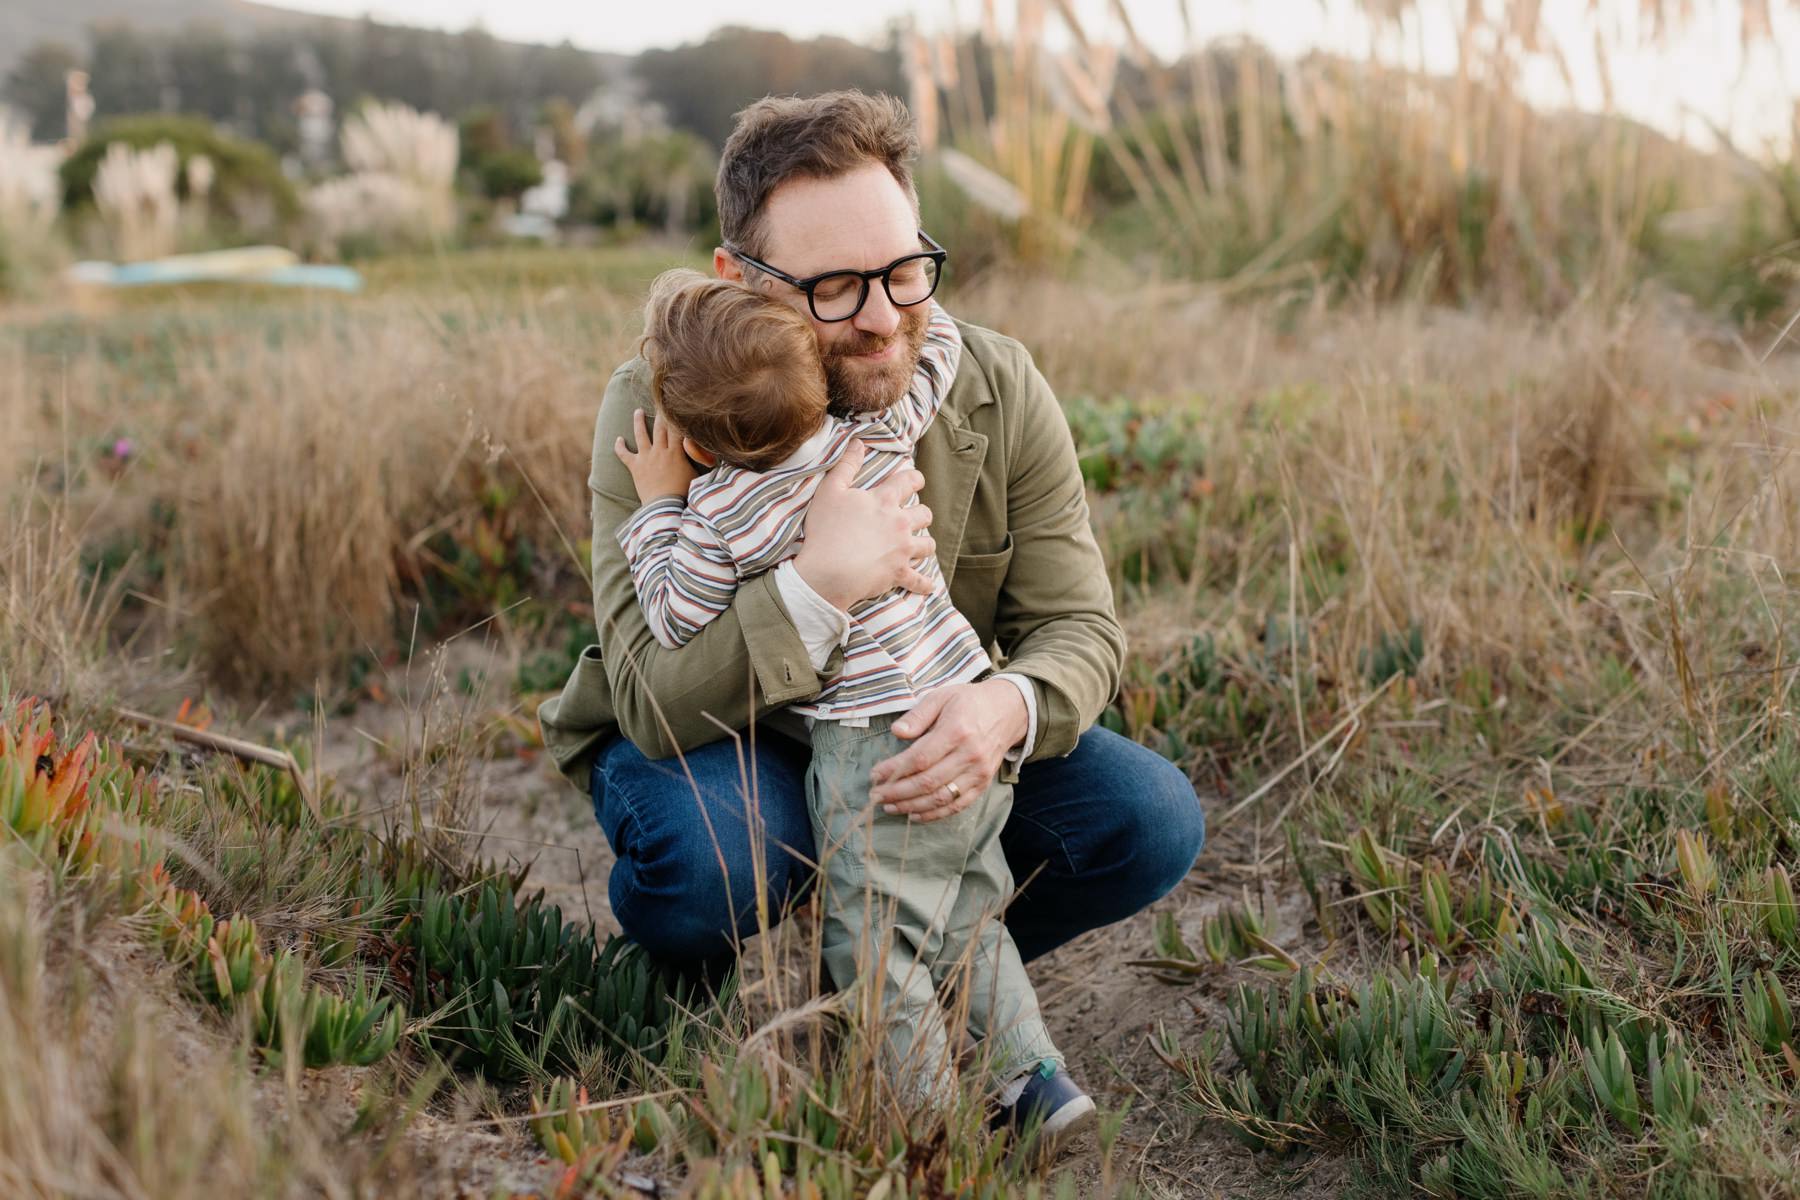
(915, 411)
(680, 567)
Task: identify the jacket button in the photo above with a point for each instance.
(787, 669)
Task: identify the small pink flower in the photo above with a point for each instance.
(122, 449)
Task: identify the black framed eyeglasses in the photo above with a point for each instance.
(840, 295)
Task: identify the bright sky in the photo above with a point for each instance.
(1702, 76)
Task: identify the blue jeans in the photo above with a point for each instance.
(1093, 838)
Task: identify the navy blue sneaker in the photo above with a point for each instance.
(1049, 1103)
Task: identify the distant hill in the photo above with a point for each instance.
(348, 57)
(24, 23)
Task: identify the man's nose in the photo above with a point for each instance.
(878, 315)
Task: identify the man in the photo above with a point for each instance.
(696, 772)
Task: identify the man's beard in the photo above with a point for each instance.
(858, 387)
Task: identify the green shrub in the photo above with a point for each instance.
(508, 173)
(480, 133)
(663, 181)
(248, 187)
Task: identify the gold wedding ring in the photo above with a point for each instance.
(955, 792)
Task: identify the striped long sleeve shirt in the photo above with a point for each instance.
(687, 559)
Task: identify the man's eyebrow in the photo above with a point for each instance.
(916, 248)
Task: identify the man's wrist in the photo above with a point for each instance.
(820, 625)
(1027, 690)
(821, 582)
(1018, 721)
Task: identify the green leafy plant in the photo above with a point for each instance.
(1380, 875)
(567, 1126)
(1234, 933)
(1440, 912)
(1694, 859)
(1609, 1073)
(1674, 1083)
(356, 1029)
(1780, 919)
(1768, 1017)
(517, 989)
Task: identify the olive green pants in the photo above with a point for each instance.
(912, 917)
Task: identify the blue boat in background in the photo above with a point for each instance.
(274, 265)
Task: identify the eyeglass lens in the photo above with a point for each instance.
(840, 297)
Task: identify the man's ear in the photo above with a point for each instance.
(726, 265)
(705, 458)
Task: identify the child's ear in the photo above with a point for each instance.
(704, 457)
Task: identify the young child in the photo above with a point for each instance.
(739, 387)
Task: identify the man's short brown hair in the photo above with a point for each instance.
(736, 371)
(779, 138)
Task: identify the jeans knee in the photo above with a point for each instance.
(676, 929)
(682, 903)
(1173, 825)
(677, 910)
(696, 852)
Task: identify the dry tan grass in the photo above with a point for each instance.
(1543, 499)
(1356, 168)
(303, 483)
(289, 483)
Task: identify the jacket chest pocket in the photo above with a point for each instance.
(975, 587)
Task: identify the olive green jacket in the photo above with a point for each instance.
(1010, 518)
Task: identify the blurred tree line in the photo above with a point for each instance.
(249, 84)
(703, 84)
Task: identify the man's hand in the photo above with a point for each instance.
(861, 543)
(660, 467)
(963, 732)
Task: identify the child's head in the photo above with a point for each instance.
(736, 371)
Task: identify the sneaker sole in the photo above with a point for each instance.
(1065, 1129)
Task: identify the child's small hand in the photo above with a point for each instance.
(659, 467)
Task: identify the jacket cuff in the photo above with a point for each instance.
(1060, 723)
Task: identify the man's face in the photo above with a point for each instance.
(862, 221)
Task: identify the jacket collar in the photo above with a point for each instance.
(971, 389)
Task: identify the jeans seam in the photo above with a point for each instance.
(613, 787)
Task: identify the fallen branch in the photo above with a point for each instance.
(238, 748)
